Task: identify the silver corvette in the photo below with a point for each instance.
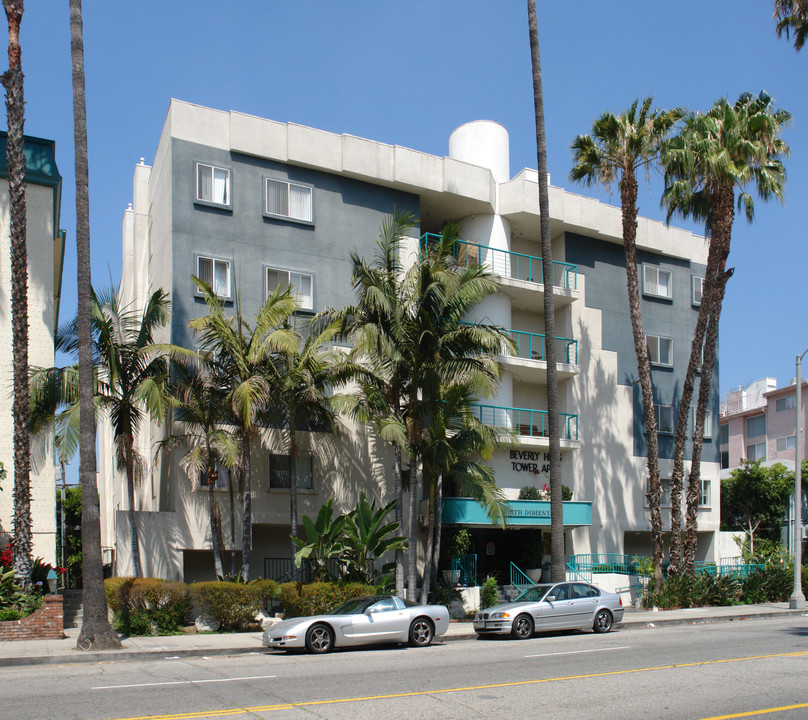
(371, 620)
(560, 606)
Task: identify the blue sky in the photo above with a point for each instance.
(408, 73)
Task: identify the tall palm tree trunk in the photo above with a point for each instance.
(558, 572)
(438, 526)
(430, 544)
(15, 109)
(96, 633)
(134, 546)
(412, 532)
(720, 233)
(628, 200)
(233, 564)
(399, 517)
(215, 527)
(293, 497)
(246, 504)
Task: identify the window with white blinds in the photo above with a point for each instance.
(301, 283)
(287, 199)
(212, 185)
(657, 281)
(215, 273)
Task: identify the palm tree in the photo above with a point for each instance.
(96, 633)
(716, 154)
(445, 352)
(131, 380)
(301, 377)
(198, 395)
(618, 147)
(244, 352)
(558, 570)
(375, 328)
(792, 17)
(15, 109)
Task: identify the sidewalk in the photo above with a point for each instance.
(59, 652)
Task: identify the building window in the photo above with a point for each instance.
(222, 479)
(756, 451)
(756, 426)
(301, 284)
(279, 472)
(660, 350)
(724, 434)
(657, 282)
(704, 498)
(215, 273)
(698, 289)
(288, 200)
(724, 459)
(212, 185)
(708, 423)
(664, 419)
(786, 443)
(786, 403)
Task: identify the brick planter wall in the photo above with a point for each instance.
(47, 622)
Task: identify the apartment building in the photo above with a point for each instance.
(759, 422)
(248, 203)
(46, 244)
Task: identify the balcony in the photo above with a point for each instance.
(531, 426)
(529, 363)
(521, 276)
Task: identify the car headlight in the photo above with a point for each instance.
(499, 615)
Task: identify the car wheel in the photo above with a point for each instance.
(522, 627)
(421, 632)
(603, 621)
(319, 638)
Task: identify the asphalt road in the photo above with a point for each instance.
(694, 671)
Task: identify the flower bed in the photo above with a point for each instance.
(47, 622)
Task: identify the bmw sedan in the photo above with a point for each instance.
(560, 606)
(376, 619)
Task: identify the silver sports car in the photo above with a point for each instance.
(369, 620)
(562, 606)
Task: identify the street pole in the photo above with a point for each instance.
(797, 599)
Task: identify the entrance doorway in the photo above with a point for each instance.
(496, 549)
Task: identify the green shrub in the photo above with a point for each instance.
(29, 602)
(768, 584)
(684, 591)
(147, 606)
(9, 613)
(488, 592)
(529, 492)
(318, 598)
(233, 605)
(265, 591)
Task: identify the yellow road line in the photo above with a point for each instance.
(334, 701)
(750, 713)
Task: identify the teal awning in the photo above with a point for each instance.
(523, 513)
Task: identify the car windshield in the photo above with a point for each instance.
(355, 605)
(533, 594)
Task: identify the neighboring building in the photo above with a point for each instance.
(759, 422)
(46, 244)
(248, 202)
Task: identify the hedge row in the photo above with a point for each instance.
(150, 606)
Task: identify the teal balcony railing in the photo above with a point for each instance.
(510, 264)
(533, 423)
(532, 346)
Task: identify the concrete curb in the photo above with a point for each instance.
(651, 620)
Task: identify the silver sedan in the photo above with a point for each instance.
(376, 619)
(560, 606)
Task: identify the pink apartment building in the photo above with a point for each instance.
(759, 422)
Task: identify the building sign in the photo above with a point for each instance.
(536, 463)
(529, 511)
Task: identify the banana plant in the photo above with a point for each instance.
(323, 540)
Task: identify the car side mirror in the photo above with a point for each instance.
(550, 598)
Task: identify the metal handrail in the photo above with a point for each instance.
(519, 579)
(534, 423)
(532, 346)
(507, 263)
(464, 564)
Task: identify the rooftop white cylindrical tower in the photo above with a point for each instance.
(484, 143)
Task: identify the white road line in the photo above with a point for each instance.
(183, 682)
(576, 652)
